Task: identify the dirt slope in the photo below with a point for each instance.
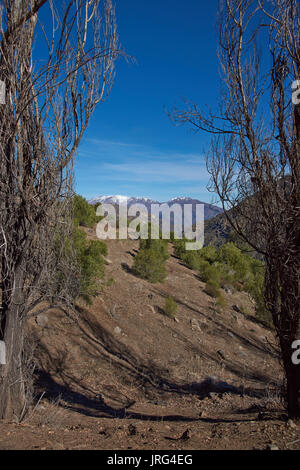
(125, 376)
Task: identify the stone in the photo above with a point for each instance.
(186, 435)
(195, 324)
(243, 354)
(41, 320)
(132, 430)
(227, 290)
(221, 353)
(236, 308)
(117, 330)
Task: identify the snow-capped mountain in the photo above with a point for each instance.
(209, 209)
(118, 199)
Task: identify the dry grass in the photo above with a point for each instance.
(51, 414)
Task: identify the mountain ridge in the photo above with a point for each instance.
(210, 210)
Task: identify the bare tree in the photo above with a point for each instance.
(254, 158)
(57, 63)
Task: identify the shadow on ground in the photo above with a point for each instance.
(55, 379)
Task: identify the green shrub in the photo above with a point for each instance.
(232, 256)
(221, 302)
(228, 266)
(150, 264)
(255, 286)
(171, 307)
(84, 213)
(209, 253)
(213, 289)
(89, 254)
(209, 272)
(192, 260)
(159, 246)
(179, 248)
(172, 237)
(110, 281)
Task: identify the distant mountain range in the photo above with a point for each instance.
(210, 210)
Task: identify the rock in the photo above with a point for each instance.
(112, 312)
(40, 407)
(41, 320)
(132, 430)
(186, 435)
(117, 330)
(195, 324)
(272, 447)
(227, 290)
(243, 354)
(236, 308)
(221, 354)
(160, 403)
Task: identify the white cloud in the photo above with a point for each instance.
(123, 161)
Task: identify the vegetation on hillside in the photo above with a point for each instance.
(84, 213)
(227, 267)
(149, 263)
(91, 264)
(171, 307)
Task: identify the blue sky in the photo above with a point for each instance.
(130, 146)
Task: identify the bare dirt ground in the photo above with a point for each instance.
(125, 376)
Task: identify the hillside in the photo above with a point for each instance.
(217, 230)
(125, 376)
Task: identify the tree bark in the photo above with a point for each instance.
(289, 331)
(12, 387)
